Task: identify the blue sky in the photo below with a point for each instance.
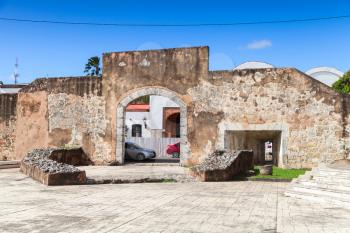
(62, 50)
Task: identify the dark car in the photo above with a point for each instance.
(136, 152)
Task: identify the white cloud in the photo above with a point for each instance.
(259, 44)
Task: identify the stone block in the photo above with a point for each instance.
(223, 165)
(46, 166)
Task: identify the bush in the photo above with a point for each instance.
(342, 85)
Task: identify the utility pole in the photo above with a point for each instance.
(15, 73)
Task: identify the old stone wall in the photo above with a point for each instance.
(309, 120)
(63, 112)
(309, 115)
(79, 121)
(8, 104)
(168, 71)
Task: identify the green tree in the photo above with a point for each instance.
(92, 67)
(342, 85)
(141, 100)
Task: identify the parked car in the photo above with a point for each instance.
(136, 152)
(174, 150)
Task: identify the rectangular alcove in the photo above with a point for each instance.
(266, 144)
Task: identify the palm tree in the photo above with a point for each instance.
(92, 67)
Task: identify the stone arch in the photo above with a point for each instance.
(161, 91)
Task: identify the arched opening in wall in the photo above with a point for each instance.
(266, 144)
(151, 127)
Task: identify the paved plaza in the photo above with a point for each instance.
(137, 172)
(28, 206)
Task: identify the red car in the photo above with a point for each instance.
(174, 150)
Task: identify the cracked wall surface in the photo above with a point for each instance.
(8, 105)
(83, 118)
(312, 118)
(308, 112)
(63, 112)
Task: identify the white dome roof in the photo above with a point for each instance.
(327, 75)
(253, 65)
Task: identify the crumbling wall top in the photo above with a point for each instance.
(70, 85)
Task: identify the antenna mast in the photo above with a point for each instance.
(16, 74)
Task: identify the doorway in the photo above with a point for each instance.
(265, 144)
(151, 121)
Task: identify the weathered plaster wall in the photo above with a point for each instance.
(174, 70)
(309, 114)
(312, 119)
(31, 125)
(63, 112)
(8, 103)
(79, 121)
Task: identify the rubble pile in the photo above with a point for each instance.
(50, 167)
(218, 160)
(41, 158)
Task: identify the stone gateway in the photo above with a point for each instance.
(306, 121)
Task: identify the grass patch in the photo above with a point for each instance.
(279, 173)
(169, 180)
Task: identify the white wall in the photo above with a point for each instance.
(157, 103)
(9, 90)
(154, 118)
(137, 118)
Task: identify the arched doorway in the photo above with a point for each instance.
(171, 122)
(132, 95)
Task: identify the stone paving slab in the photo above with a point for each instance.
(135, 173)
(28, 206)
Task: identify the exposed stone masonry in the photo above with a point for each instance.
(40, 158)
(8, 104)
(58, 112)
(223, 165)
(311, 119)
(41, 165)
(310, 113)
(218, 160)
(81, 117)
(81, 86)
(8, 108)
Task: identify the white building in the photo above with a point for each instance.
(159, 118)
